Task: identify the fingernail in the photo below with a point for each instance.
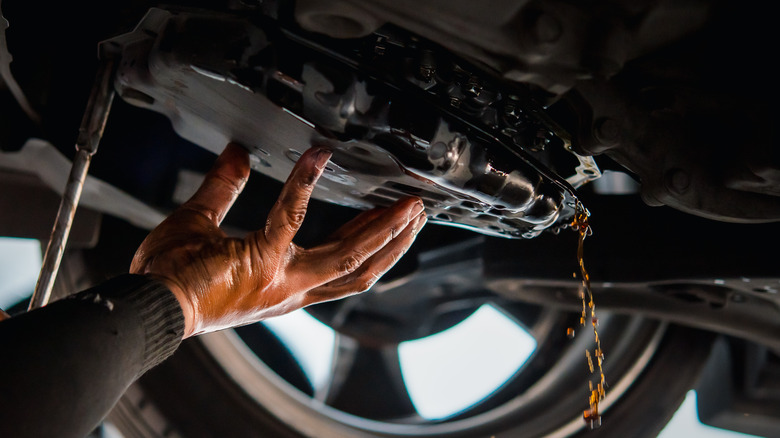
(417, 208)
(322, 157)
(419, 223)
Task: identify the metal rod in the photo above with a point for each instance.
(90, 133)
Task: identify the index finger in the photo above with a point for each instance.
(222, 184)
(286, 216)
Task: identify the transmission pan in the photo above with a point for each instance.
(223, 78)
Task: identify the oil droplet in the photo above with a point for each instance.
(591, 416)
(590, 361)
(592, 420)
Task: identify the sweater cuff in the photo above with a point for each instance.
(158, 309)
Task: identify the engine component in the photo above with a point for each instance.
(660, 87)
(402, 117)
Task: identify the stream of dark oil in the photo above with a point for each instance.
(596, 381)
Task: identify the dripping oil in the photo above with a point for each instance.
(594, 357)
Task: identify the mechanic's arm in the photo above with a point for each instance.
(64, 366)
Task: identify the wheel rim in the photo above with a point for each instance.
(544, 398)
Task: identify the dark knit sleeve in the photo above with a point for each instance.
(64, 366)
(158, 311)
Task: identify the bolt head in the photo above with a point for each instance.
(427, 72)
(607, 131)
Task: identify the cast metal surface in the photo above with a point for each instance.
(642, 83)
(679, 92)
(443, 136)
(90, 132)
(173, 63)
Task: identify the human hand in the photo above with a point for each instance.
(224, 282)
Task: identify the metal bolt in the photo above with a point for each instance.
(427, 63)
(474, 86)
(427, 72)
(512, 116)
(539, 141)
(437, 151)
(607, 131)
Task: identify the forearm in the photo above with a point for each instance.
(63, 367)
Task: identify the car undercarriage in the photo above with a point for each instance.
(508, 119)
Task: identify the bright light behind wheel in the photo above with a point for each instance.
(310, 341)
(452, 370)
(20, 262)
(685, 423)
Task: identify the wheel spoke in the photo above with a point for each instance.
(271, 350)
(367, 381)
(540, 322)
